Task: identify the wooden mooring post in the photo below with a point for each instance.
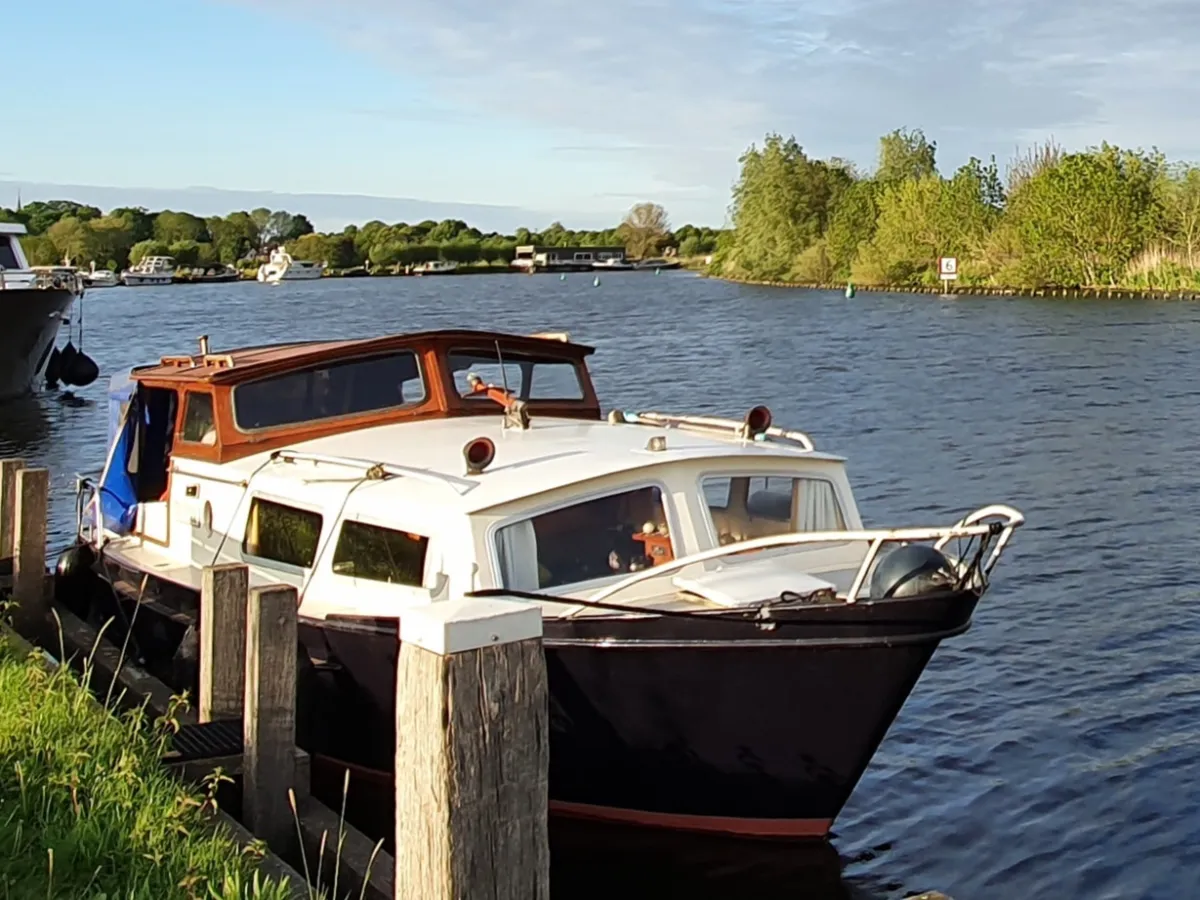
(269, 749)
(472, 753)
(224, 590)
(31, 490)
(8, 504)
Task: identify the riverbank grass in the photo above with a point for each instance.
(87, 810)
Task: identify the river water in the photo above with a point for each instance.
(1053, 750)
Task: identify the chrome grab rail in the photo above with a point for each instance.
(716, 423)
(970, 526)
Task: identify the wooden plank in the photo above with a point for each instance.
(134, 686)
(8, 504)
(270, 716)
(357, 859)
(196, 770)
(472, 755)
(223, 594)
(29, 551)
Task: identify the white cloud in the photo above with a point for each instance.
(680, 87)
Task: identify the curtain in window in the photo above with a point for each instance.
(819, 507)
(516, 546)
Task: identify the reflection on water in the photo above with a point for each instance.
(1051, 751)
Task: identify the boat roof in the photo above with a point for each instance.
(553, 453)
(247, 363)
(12, 228)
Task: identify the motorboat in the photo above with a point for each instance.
(282, 267)
(150, 271)
(435, 267)
(100, 278)
(727, 643)
(36, 301)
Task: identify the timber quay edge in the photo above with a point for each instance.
(471, 694)
(1103, 293)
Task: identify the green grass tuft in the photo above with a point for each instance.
(87, 810)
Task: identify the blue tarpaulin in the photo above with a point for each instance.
(118, 493)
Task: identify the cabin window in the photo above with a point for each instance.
(380, 554)
(199, 425)
(528, 376)
(282, 533)
(599, 538)
(345, 388)
(8, 256)
(746, 507)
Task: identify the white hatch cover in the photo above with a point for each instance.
(749, 583)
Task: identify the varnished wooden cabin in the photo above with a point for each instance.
(222, 406)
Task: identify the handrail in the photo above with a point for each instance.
(370, 466)
(966, 527)
(716, 423)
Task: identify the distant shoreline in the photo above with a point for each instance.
(1070, 293)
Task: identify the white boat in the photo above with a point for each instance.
(100, 278)
(435, 267)
(33, 304)
(727, 643)
(152, 270)
(281, 267)
(618, 263)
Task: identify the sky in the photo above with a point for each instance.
(524, 112)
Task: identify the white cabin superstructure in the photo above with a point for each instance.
(149, 271)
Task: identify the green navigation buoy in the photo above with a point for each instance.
(596, 281)
(850, 290)
(657, 270)
(562, 276)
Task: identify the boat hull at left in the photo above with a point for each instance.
(32, 318)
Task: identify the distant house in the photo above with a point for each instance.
(563, 259)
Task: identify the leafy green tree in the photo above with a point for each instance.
(1081, 221)
(904, 155)
(172, 227)
(142, 249)
(1181, 201)
(113, 237)
(40, 250)
(40, 215)
(141, 222)
(782, 204)
(73, 240)
(851, 226)
(644, 230)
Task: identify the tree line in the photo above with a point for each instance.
(1104, 216)
(61, 230)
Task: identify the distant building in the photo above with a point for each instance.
(564, 259)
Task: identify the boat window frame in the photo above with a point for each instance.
(711, 526)
(376, 522)
(670, 508)
(188, 394)
(266, 561)
(548, 359)
(345, 417)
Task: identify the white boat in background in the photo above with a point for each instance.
(282, 267)
(618, 263)
(150, 271)
(34, 302)
(100, 278)
(435, 267)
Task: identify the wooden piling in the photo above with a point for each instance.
(223, 592)
(472, 753)
(29, 550)
(8, 504)
(270, 716)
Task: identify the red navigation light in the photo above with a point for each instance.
(479, 454)
(758, 420)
